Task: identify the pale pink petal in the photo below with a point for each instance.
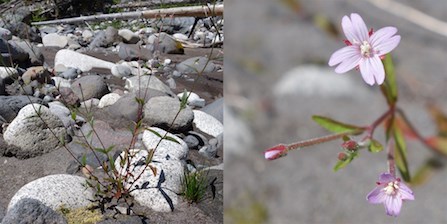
(376, 196)
(348, 29)
(387, 45)
(366, 69)
(386, 177)
(382, 34)
(348, 64)
(342, 54)
(406, 192)
(378, 69)
(360, 29)
(393, 205)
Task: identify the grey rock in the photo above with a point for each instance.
(128, 36)
(54, 40)
(2, 87)
(135, 83)
(34, 53)
(87, 35)
(60, 82)
(125, 220)
(211, 149)
(11, 105)
(100, 40)
(108, 99)
(161, 111)
(207, 123)
(93, 86)
(240, 140)
(29, 210)
(202, 139)
(129, 52)
(165, 43)
(70, 73)
(9, 51)
(126, 107)
(215, 109)
(111, 35)
(47, 30)
(8, 72)
(31, 134)
(194, 100)
(121, 71)
(67, 96)
(90, 103)
(195, 65)
(2, 212)
(25, 32)
(191, 141)
(54, 191)
(171, 83)
(5, 34)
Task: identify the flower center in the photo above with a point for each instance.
(365, 49)
(392, 188)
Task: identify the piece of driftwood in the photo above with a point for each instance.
(189, 11)
(150, 4)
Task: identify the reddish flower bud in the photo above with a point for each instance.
(350, 145)
(275, 152)
(342, 156)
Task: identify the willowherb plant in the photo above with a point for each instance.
(368, 51)
(117, 180)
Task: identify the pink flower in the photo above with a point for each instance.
(364, 50)
(391, 192)
(275, 152)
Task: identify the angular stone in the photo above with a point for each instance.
(135, 83)
(165, 43)
(207, 123)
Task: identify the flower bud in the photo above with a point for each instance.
(342, 156)
(350, 145)
(275, 152)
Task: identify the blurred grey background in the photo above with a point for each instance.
(277, 77)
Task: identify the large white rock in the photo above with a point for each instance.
(165, 147)
(6, 72)
(108, 99)
(31, 134)
(56, 190)
(150, 196)
(68, 58)
(207, 123)
(54, 40)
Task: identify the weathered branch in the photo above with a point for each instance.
(129, 5)
(190, 11)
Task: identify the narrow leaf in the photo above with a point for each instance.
(389, 87)
(440, 119)
(335, 126)
(171, 139)
(155, 133)
(400, 154)
(426, 171)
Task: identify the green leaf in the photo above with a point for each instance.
(73, 115)
(389, 87)
(184, 100)
(109, 149)
(342, 163)
(426, 171)
(375, 146)
(101, 150)
(171, 139)
(84, 160)
(400, 154)
(139, 100)
(335, 126)
(155, 133)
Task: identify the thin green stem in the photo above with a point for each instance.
(320, 140)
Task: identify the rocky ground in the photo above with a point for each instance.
(98, 69)
(277, 78)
